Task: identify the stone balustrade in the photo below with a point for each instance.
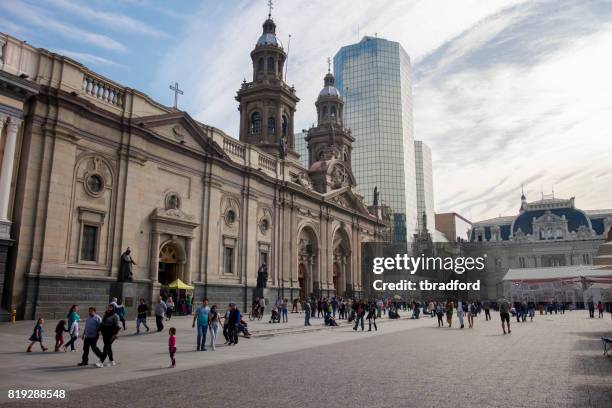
(233, 147)
(102, 90)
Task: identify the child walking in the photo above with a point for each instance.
(37, 335)
(74, 335)
(172, 345)
(59, 334)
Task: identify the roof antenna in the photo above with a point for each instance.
(553, 191)
(287, 61)
(358, 32)
(329, 65)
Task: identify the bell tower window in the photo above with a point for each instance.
(324, 112)
(255, 127)
(270, 65)
(271, 126)
(333, 112)
(260, 65)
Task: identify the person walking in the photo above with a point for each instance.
(285, 311)
(121, 312)
(472, 312)
(449, 313)
(460, 313)
(109, 328)
(141, 316)
(334, 305)
(307, 312)
(487, 309)
(90, 336)
(359, 314)
(73, 314)
(214, 320)
(37, 335)
(440, 313)
(600, 309)
(591, 309)
(504, 314)
(59, 334)
(233, 322)
(201, 317)
(169, 308)
(172, 346)
(372, 318)
(160, 312)
(74, 335)
(531, 307)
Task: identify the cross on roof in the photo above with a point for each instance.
(270, 7)
(328, 64)
(177, 91)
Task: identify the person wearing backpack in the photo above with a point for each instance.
(471, 313)
(440, 314)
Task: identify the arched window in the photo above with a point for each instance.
(332, 112)
(280, 68)
(260, 65)
(285, 125)
(271, 126)
(324, 112)
(271, 64)
(255, 123)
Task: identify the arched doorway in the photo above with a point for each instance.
(307, 262)
(170, 264)
(336, 276)
(342, 262)
(302, 281)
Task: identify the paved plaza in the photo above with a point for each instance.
(556, 361)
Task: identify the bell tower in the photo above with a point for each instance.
(329, 139)
(267, 103)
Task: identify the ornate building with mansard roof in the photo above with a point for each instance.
(90, 168)
(550, 232)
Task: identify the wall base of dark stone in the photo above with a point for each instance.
(5, 244)
(51, 297)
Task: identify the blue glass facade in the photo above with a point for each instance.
(374, 77)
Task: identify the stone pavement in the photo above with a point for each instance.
(556, 361)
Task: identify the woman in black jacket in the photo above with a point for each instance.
(109, 329)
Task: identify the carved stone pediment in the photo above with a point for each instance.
(173, 221)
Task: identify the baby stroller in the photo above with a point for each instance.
(275, 317)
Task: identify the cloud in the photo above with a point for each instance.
(84, 57)
(520, 97)
(108, 19)
(34, 16)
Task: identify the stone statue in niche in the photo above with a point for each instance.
(125, 267)
(262, 276)
(173, 202)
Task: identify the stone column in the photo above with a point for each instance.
(6, 173)
(188, 273)
(154, 271)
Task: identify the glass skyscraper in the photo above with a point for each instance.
(424, 186)
(374, 76)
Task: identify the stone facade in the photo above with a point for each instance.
(100, 167)
(550, 232)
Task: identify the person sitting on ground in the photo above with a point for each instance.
(393, 314)
(243, 328)
(330, 321)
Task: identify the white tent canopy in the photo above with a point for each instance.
(557, 273)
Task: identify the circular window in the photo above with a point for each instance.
(94, 184)
(264, 225)
(230, 216)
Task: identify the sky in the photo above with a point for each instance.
(506, 93)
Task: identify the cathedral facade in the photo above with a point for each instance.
(90, 168)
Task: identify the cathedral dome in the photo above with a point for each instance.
(329, 89)
(268, 37)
